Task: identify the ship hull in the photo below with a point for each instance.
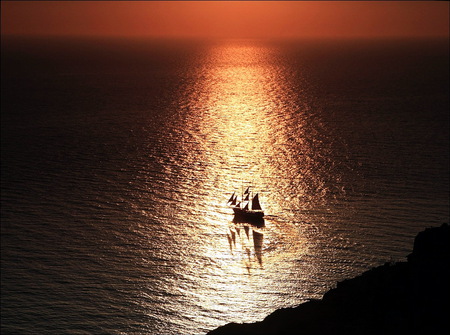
(245, 213)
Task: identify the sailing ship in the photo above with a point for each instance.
(248, 209)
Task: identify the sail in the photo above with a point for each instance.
(247, 191)
(231, 198)
(247, 197)
(255, 203)
(246, 206)
(233, 202)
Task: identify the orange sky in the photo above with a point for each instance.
(227, 19)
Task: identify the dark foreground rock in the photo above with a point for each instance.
(403, 298)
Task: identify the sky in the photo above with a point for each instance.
(227, 19)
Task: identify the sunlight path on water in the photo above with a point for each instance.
(236, 112)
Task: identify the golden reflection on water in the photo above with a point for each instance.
(240, 118)
(234, 124)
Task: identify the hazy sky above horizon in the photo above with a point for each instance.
(227, 19)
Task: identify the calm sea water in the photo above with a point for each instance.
(118, 157)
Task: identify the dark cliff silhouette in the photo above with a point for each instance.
(402, 298)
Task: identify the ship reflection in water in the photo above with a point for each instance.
(248, 241)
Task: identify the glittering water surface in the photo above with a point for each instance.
(118, 159)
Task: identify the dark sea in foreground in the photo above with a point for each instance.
(118, 158)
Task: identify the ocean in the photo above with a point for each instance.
(118, 157)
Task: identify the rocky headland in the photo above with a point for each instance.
(396, 298)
